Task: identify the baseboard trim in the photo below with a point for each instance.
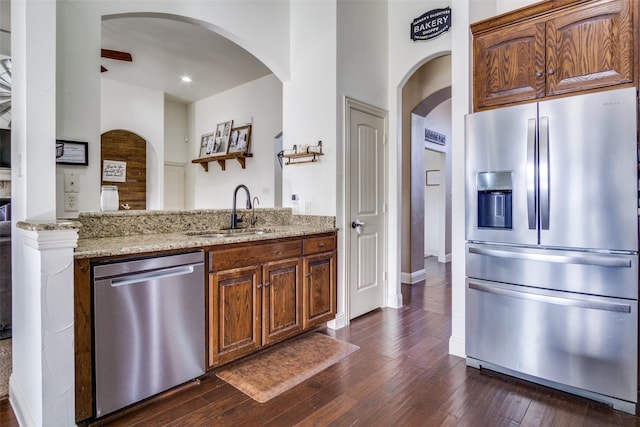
(394, 301)
(457, 347)
(414, 277)
(339, 322)
(18, 402)
(445, 259)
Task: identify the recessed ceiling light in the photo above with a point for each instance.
(186, 79)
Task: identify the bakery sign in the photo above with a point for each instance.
(431, 24)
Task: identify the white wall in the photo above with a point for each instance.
(33, 186)
(133, 108)
(258, 102)
(362, 34)
(405, 56)
(260, 27)
(141, 111)
(460, 105)
(310, 106)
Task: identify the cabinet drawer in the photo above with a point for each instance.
(253, 254)
(319, 244)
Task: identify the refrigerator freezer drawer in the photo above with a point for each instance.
(584, 342)
(612, 275)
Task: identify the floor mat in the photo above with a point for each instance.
(282, 367)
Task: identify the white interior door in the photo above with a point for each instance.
(366, 154)
(173, 186)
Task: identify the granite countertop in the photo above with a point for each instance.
(124, 245)
(103, 234)
(133, 232)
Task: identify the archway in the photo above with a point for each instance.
(427, 87)
(123, 159)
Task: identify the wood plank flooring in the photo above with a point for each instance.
(401, 376)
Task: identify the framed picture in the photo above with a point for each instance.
(72, 152)
(221, 138)
(240, 139)
(114, 170)
(210, 145)
(433, 177)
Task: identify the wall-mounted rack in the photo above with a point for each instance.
(311, 153)
(240, 157)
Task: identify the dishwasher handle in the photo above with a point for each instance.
(151, 275)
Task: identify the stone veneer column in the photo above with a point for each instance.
(41, 388)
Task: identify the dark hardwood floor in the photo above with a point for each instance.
(401, 376)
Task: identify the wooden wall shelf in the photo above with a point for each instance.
(240, 157)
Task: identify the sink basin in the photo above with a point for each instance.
(216, 234)
(238, 234)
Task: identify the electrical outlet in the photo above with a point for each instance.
(70, 202)
(71, 183)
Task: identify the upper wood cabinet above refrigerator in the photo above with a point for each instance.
(554, 48)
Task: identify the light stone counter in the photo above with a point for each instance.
(134, 232)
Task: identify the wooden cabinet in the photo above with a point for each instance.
(281, 300)
(234, 314)
(258, 296)
(554, 48)
(253, 306)
(319, 281)
(255, 297)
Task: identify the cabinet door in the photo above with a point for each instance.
(590, 46)
(234, 314)
(282, 300)
(509, 65)
(319, 289)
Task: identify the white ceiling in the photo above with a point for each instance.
(164, 50)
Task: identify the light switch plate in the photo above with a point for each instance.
(71, 183)
(70, 202)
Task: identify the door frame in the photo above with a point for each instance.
(353, 104)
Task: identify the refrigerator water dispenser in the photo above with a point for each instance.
(494, 199)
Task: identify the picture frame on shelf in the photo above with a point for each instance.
(240, 140)
(222, 135)
(72, 153)
(208, 145)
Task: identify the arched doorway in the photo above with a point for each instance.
(428, 87)
(123, 159)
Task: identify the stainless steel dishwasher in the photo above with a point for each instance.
(149, 327)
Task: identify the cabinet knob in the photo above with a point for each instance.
(551, 71)
(266, 285)
(538, 73)
(307, 275)
(259, 286)
(321, 245)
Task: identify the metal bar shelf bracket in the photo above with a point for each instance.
(302, 154)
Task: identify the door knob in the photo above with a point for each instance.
(357, 225)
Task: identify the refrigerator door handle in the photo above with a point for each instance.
(548, 299)
(531, 173)
(585, 259)
(544, 173)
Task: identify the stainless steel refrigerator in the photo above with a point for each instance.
(552, 244)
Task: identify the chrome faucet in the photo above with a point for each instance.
(254, 218)
(234, 216)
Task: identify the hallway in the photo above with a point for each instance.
(402, 375)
